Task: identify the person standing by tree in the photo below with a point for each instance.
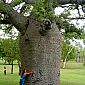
(4, 70)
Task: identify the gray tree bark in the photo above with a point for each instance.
(41, 54)
(40, 48)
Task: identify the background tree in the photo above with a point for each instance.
(9, 51)
(68, 52)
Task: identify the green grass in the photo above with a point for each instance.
(9, 79)
(73, 74)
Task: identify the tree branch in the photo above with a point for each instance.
(15, 3)
(29, 1)
(4, 22)
(75, 18)
(16, 19)
(62, 2)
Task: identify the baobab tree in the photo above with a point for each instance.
(40, 39)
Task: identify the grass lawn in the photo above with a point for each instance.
(9, 79)
(73, 74)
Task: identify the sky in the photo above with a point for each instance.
(1, 34)
(78, 23)
(4, 35)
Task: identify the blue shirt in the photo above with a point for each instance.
(22, 80)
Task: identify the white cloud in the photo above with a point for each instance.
(58, 10)
(77, 42)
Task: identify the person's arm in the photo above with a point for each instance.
(28, 73)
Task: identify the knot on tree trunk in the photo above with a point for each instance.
(46, 26)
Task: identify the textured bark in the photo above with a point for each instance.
(41, 54)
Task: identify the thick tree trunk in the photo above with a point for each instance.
(41, 54)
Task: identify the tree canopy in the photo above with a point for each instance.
(15, 14)
(9, 50)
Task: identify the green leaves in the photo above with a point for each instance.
(9, 49)
(43, 9)
(68, 52)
